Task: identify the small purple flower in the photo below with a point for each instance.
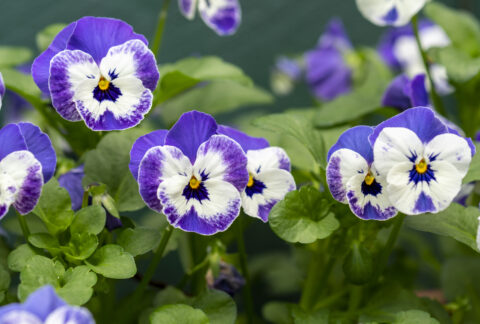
(269, 173)
(353, 177)
(403, 93)
(27, 161)
(229, 279)
(286, 72)
(424, 160)
(390, 12)
(399, 50)
(99, 71)
(191, 174)
(223, 16)
(327, 72)
(44, 306)
(2, 89)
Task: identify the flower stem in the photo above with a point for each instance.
(243, 265)
(23, 225)
(387, 250)
(316, 280)
(162, 18)
(437, 102)
(167, 233)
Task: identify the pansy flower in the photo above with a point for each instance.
(27, 161)
(223, 16)
(424, 160)
(191, 174)
(390, 12)
(398, 48)
(269, 173)
(403, 93)
(327, 72)
(99, 71)
(44, 306)
(2, 89)
(353, 178)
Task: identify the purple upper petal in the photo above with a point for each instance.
(403, 93)
(142, 145)
(222, 16)
(41, 65)
(43, 301)
(108, 32)
(335, 36)
(72, 181)
(190, 131)
(355, 139)
(245, 141)
(421, 120)
(40, 145)
(11, 140)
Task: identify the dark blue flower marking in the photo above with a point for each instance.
(196, 189)
(422, 172)
(105, 90)
(254, 187)
(371, 188)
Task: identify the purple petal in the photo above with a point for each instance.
(355, 139)
(11, 140)
(327, 74)
(420, 120)
(418, 92)
(245, 141)
(41, 65)
(108, 32)
(60, 83)
(43, 301)
(424, 204)
(40, 145)
(72, 181)
(335, 36)
(142, 145)
(31, 186)
(289, 67)
(222, 16)
(190, 131)
(188, 8)
(395, 95)
(112, 222)
(391, 17)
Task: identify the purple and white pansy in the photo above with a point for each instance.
(390, 12)
(353, 177)
(191, 174)
(27, 161)
(403, 93)
(269, 173)
(423, 160)
(223, 16)
(44, 307)
(106, 80)
(2, 89)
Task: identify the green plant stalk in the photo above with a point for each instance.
(23, 226)
(387, 250)
(189, 273)
(167, 233)
(316, 281)
(247, 293)
(437, 101)
(158, 37)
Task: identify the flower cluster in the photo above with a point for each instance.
(223, 16)
(413, 163)
(199, 174)
(27, 161)
(106, 80)
(44, 306)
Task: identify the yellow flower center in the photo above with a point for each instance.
(103, 84)
(421, 167)
(194, 183)
(369, 178)
(250, 182)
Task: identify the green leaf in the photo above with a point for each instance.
(4, 282)
(213, 98)
(414, 317)
(461, 27)
(54, 207)
(44, 241)
(297, 124)
(108, 164)
(278, 312)
(13, 56)
(456, 221)
(460, 67)
(358, 266)
(112, 261)
(217, 305)
(363, 100)
(81, 246)
(139, 240)
(89, 220)
(460, 276)
(21, 83)
(77, 285)
(178, 314)
(315, 317)
(38, 272)
(170, 295)
(18, 258)
(473, 173)
(45, 36)
(303, 217)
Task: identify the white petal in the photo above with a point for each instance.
(267, 158)
(450, 148)
(342, 166)
(395, 145)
